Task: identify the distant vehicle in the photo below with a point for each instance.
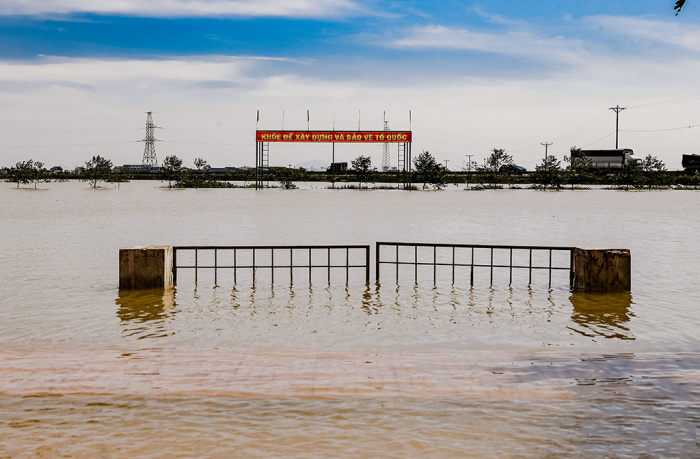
(337, 168)
(513, 168)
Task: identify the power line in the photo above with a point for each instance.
(68, 145)
(661, 130)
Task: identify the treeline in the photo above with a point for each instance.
(496, 171)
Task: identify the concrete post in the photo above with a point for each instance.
(602, 270)
(145, 267)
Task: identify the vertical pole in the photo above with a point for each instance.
(291, 265)
(550, 267)
(529, 282)
(510, 266)
(434, 265)
(329, 266)
(347, 265)
(415, 264)
(367, 260)
(272, 265)
(376, 261)
(196, 264)
(491, 266)
(235, 266)
(309, 265)
(571, 268)
(257, 157)
(174, 265)
(333, 167)
(216, 268)
(453, 265)
(253, 265)
(471, 275)
(397, 263)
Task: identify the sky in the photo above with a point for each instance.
(78, 76)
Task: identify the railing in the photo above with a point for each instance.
(286, 259)
(463, 256)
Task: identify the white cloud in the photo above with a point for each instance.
(514, 43)
(179, 8)
(674, 33)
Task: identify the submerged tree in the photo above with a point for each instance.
(497, 166)
(630, 175)
(21, 173)
(548, 173)
(362, 167)
(172, 170)
(654, 171)
(579, 166)
(428, 170)
(96, 170)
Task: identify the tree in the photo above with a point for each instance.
(287, 176)
(548, 174)
(96, 170)
(497, 165)
(172, 169)
(653, 170)
(428, 170)
(203, 176)
(119, 175)
(630, 175)
(38, 173)
(362, 167)
(579, 166)
(21, 173)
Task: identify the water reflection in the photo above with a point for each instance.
(145, 313)
(602, 315)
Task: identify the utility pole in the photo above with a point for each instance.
(469, 168)
(617, 109)
(546, 149)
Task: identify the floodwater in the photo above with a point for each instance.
(344, 369)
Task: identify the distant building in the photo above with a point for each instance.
(691, 163)
(56, 170)
(609, 159)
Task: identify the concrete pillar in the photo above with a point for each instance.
(602, 270)
(145, 267)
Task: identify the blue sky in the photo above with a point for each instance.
(76, 77)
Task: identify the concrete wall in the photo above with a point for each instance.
(602, 270)
(145, 267)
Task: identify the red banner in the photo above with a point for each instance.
(334, 136)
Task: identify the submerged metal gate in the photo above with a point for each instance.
(455, 256)
(321, 261)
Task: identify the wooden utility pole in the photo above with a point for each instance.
(617, 109)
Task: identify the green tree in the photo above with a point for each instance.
(362, 167)
(119, 175)
(172, 170)
(96, 170)
(202, 177)
(22, 173)
(497, 166)
(428, 170)
(630, 175)
(548, 173)
(287, 176)
(39, 173)
(579, 166)
(654, 171)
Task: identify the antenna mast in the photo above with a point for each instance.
(386, 158)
